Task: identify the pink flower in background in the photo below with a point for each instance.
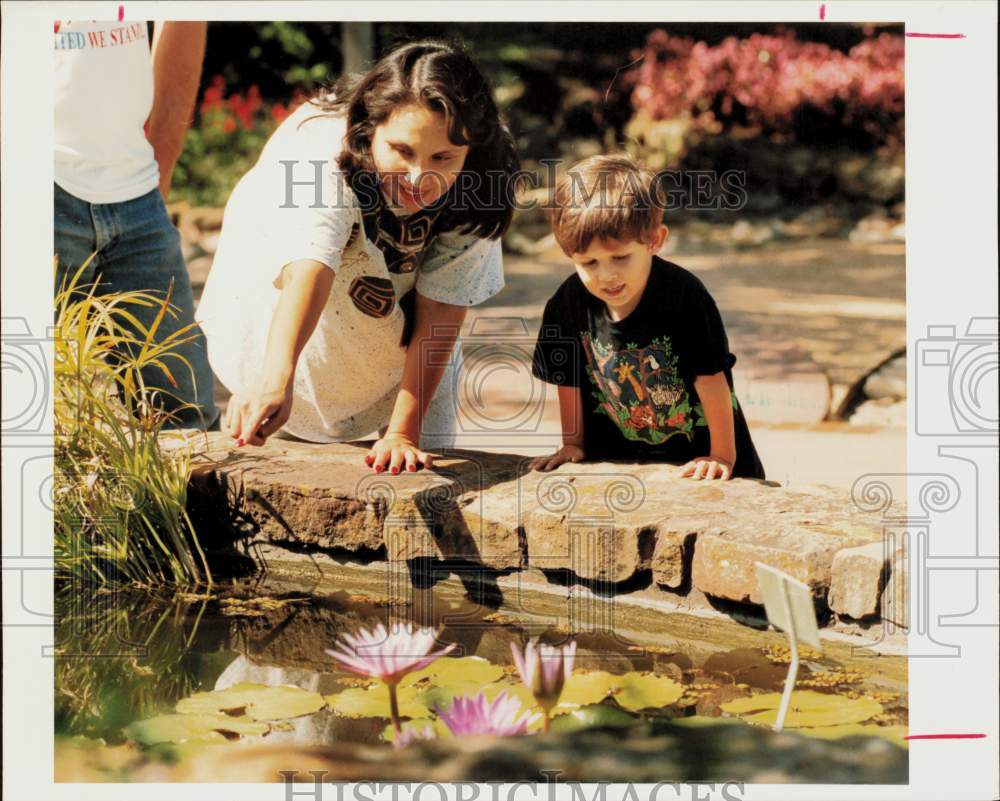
(387, 655)
(410, 735)
(544, 670)
(476, 716)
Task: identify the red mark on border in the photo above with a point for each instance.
(945, 737)
(121, 13)
(822, 11)
(936, 35)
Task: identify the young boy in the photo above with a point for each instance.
(635, 344)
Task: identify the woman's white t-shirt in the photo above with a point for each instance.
(295, 204)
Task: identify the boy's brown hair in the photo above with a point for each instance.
(605, 197)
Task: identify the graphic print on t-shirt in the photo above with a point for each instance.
(641, 390)
(372, 295)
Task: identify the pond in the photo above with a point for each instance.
(140, 675)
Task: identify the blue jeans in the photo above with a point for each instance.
(138, 249)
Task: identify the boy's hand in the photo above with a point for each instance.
(567, 453)
(710, 467)
(396, 452)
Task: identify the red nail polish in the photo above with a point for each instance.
(379, 468)
(411, 468)
(395, 470)
(240, 442)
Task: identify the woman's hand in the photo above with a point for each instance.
(567, 453)
(252, 417)
(710, 467)
(396, 452)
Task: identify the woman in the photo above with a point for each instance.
(350, 253)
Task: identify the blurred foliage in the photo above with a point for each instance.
(229, 135)
(772, 86)
(573, 89)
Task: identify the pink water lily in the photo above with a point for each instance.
(388, 656)
(544, 670)
(476, 715)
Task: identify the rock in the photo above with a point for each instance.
(209, 242)
(590, 522)
(746, 233)
(873, 229)
(895, 602)
(198, 270)
(815, 222)
(604, 522)
(856, 580)
(888, 381)
(672, 555)
(190, 250)
(881, 413)
(723, 564)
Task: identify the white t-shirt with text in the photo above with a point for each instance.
(103, 96)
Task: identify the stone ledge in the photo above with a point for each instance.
(603, 522)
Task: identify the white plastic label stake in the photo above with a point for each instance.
(789, 607)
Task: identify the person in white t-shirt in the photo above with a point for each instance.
(122, 110)
(350, 253)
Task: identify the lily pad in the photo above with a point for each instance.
(373, 702)
(895, 734)
(442, 696)
(261, 701)
(642, 691)
(696, 721)
(451, 670)
(183, 728)
(632, 691)
(590, 716)
(807, 709)
(583, 689)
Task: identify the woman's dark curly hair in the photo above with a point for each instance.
(442, 78)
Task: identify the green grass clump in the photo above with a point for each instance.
(119, 496)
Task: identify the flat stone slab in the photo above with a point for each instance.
(603, 522)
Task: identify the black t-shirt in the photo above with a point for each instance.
(636, 376)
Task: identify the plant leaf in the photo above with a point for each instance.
(448, 670)
(644, 690)
(590, 716)
(192, 728)
(373, 702)
(807, 708)
(261, 701)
